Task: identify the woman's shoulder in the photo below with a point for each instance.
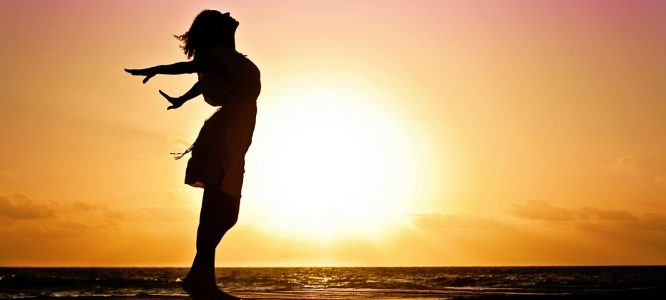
(222, 57)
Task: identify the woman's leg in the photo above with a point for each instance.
(219, 212)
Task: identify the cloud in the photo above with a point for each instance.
(654, 222)
(606, 215)
(456, 221)
(541, 210)
(82, 206)
(59, 216)
(588, 217)
(20, 207)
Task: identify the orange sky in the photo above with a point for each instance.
(389, 133)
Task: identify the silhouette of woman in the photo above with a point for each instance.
(227, 79)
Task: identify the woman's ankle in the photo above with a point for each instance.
(192, 278)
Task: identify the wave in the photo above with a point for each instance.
(320, 283)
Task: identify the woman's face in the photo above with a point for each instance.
(233, 21)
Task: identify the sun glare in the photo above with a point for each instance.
(334, 165)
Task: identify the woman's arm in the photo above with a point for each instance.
(194, 91)
(177, 68)
(172, 69)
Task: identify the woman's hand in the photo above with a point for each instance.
(148, 72)
(175, 102)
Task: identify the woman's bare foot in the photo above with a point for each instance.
(196, 289)
(221, 295)
(204, 290)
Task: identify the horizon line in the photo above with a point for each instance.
(324, 266)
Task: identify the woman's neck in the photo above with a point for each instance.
(230, 44)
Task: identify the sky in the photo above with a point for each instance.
(389, 133)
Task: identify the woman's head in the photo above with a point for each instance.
(210, 28)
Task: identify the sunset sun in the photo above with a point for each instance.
(337, 166)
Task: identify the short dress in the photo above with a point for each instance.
(218, 153)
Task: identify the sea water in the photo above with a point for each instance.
(630, 282)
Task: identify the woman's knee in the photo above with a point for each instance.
(218, 225)
(230, 222)
(226, 220)
(220, 212)
(228, 210)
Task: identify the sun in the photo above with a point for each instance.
(332, 164)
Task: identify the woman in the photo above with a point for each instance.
(230, 80)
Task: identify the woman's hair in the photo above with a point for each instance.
(210, 28)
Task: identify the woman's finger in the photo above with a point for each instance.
(135, 71)
(165, 95)
(147, 78)
(174, 106)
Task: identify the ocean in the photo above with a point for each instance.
(629, 282)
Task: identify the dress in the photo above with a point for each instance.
(218, 153)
